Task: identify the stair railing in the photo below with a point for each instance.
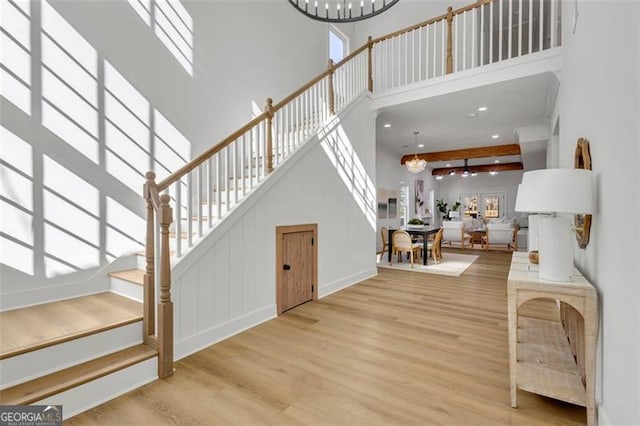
(207, 188)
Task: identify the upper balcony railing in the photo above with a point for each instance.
(206, 189)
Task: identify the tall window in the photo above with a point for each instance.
(338, 45)
(404, 205)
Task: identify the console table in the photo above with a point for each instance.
(555, 359)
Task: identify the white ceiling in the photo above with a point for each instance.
(444, 122)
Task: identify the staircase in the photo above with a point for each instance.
(83, 351)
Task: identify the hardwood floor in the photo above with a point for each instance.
(399, 348)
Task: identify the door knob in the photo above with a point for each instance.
(286, 267)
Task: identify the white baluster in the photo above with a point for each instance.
(530, 26)
(482, 12)
(178, 220)
(541, 21)
(199, 203)
(491, 32)
(190, 185)
(519, 27)
(500, 32)
(510, 28)
(464, 40)
(210, 191)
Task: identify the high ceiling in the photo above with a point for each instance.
(453, 121)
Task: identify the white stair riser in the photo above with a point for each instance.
(91, 394)
(127, 289)
(141, 262)
(31, 365)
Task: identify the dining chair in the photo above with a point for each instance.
(401, 242)
(436, 246)
(385, 243)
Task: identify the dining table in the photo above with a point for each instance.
(424, 231)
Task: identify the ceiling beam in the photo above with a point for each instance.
(467, 153)
(482, 168)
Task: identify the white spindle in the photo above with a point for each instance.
(482, 12)
(541, 31)
(552, 23)
(218, 188)
(419, 55)
(464, 40)
(190, 186)
(530, 26)
(199, 203)
(491, 32)
(178, 218)
(474, 28)
(406, 58)
(435, 48)
(227, 192)
(235, 170)
(443, 25)
(500, 31)
(210, 191)
(520, 27)
(510, 28)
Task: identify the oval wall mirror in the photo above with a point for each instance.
(582, 221)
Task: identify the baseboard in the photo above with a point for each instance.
(330, 288)
(197, 342)
(91, 394)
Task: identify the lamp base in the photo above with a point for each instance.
(555, 249)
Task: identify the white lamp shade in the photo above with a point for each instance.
(556, 190)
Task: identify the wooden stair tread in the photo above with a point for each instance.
(135, 276)
(43, 387)
(36, 327)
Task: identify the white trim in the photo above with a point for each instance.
(549, 60)
(82, 398)
(333, 287)
(213, 335)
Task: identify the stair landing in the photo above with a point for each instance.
(32, 328)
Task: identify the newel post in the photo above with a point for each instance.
(332, 102)
(449, 40)
(148, 314)
(268, 109)
(370, 64)
(165, 305)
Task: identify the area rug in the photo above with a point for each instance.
(452, 264)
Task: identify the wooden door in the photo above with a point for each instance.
(296, 267)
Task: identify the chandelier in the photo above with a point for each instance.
(341, 10)
(416, 165)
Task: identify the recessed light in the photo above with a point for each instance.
(496, 161)
(439, 177)
(495, 136)
(482, 108)
(448, 165)
(452, 172)
(473, 114)
(387, 125)
(421, 145)
(493, 173)
(474, 173)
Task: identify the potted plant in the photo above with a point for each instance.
(415, 223)
(442, 208)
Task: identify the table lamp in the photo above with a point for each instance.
(556, 191)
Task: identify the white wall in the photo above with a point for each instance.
(242, 52)
(600, 79)
(228, 282)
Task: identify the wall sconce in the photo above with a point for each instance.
(556, 191)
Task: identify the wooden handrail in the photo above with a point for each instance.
(442, 17)
(175, 176)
